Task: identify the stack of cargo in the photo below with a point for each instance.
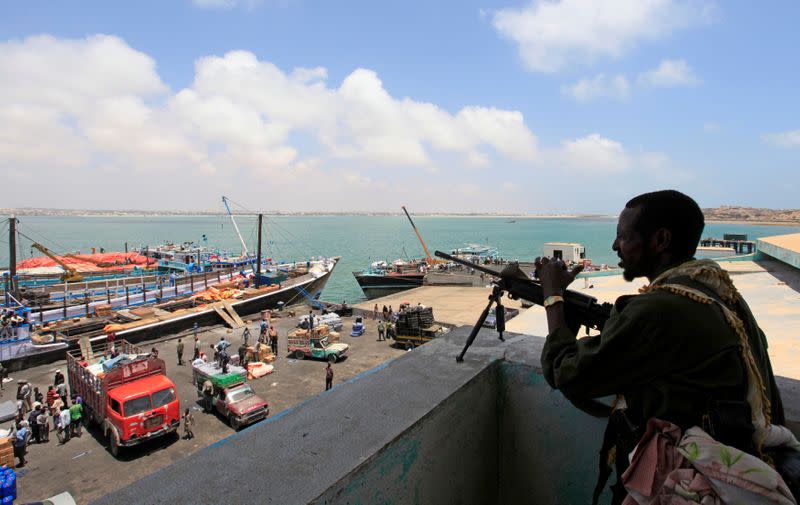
(6, 452)
(211, 371)
(411, 321)
(319, 331)
(331, 320)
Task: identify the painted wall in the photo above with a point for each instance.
(449, 456)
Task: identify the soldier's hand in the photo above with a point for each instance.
(555, 276)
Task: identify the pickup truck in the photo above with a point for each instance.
(491, 319)
(300, 347)
(130, 396)
(233, 398)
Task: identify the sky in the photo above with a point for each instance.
(542, 106)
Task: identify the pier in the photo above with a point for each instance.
(737, 242)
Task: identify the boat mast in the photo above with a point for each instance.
(12, 253)
(258, 257)
(428, 258)
(235, 226)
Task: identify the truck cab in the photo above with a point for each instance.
(141, 410)
(240, 405)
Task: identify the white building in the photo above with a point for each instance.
(565, 251)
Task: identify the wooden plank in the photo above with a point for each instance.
(233, 313)
(224, 315)
(86, 348)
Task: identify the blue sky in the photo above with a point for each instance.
(524, 106)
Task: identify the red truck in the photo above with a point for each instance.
(129, 396)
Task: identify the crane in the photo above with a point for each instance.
(225, 201)
(428, 259)
(70, 274)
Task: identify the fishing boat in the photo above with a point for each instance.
(209, 297)
(383, 278)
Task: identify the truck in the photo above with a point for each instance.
(415, 326)
(491, 318)
(233, 398)
(125, 391)
(316, 347)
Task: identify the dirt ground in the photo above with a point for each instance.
(84, 466)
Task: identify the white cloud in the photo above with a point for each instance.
(787, 139)
(669, 74)
(601, 86)
(711, 127)
(70, 108)
(592, 154)
(554, 35)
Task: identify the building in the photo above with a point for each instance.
(565, 251)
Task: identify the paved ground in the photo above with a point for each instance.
(85, 468)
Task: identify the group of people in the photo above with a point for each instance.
(9, 321)
(387, 314)
(38, 415)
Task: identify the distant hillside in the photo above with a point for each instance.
(732, 213)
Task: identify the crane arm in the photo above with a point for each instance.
(70, 274)
(428, 258)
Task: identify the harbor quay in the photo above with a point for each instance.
(86, 469)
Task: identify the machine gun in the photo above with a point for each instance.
(579, 308)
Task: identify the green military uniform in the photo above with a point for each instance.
(666, 353)
(671, 352)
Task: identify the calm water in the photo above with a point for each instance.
(357, 239)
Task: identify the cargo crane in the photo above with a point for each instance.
(428, 259)
(70, 274)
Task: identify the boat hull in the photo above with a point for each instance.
(376, 286)
(291, 294)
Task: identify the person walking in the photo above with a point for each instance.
(62, 428)
(208, 395)
(58, 378)
(381, 331)
(263, 326)
(385, 313)
(75, 414)
(61, 389)
(51, 396)
(273, 340)
(375, 313)
(196, 354)
(188, 422)
(180, 352)
(328, 377)
(43, 423)
(24, 393)
(246, 336)
(20, 442)
(32, 424)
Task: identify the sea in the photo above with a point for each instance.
(358, 240)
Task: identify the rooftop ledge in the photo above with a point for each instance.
(418, 429)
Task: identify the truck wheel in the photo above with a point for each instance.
(113, 439)
(333, 358)
(233, 422)
(298, 354)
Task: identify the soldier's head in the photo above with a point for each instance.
(656, 231)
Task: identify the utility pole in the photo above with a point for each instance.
(12, 253)
(258, 256)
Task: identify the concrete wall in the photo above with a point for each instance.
(788, 256)
(421, 429)
(549, 448)
(449, 456)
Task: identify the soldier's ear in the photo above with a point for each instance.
(661, 240)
